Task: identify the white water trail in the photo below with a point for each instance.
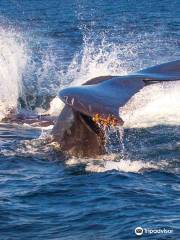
(13, 59)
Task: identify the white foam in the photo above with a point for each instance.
(56, 106)
(114, 162)
(128, 166)
(153, 105)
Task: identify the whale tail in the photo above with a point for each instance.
(103, 96)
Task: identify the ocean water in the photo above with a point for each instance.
(48, 45)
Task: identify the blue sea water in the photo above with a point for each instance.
(46, 45)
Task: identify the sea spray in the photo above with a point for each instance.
(103, 57)
(13, 60)
(156, 104)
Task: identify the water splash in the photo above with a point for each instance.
(100, 55)
(13, 60)
(56, 106)
(43, 76)
(29, 77)
(94, 61)
(154, 105)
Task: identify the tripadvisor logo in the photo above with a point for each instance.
(139, 231)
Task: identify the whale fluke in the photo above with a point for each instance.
(164, 72)
(103, 95)
(104, 98)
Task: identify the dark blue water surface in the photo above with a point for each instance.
(41, 197)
